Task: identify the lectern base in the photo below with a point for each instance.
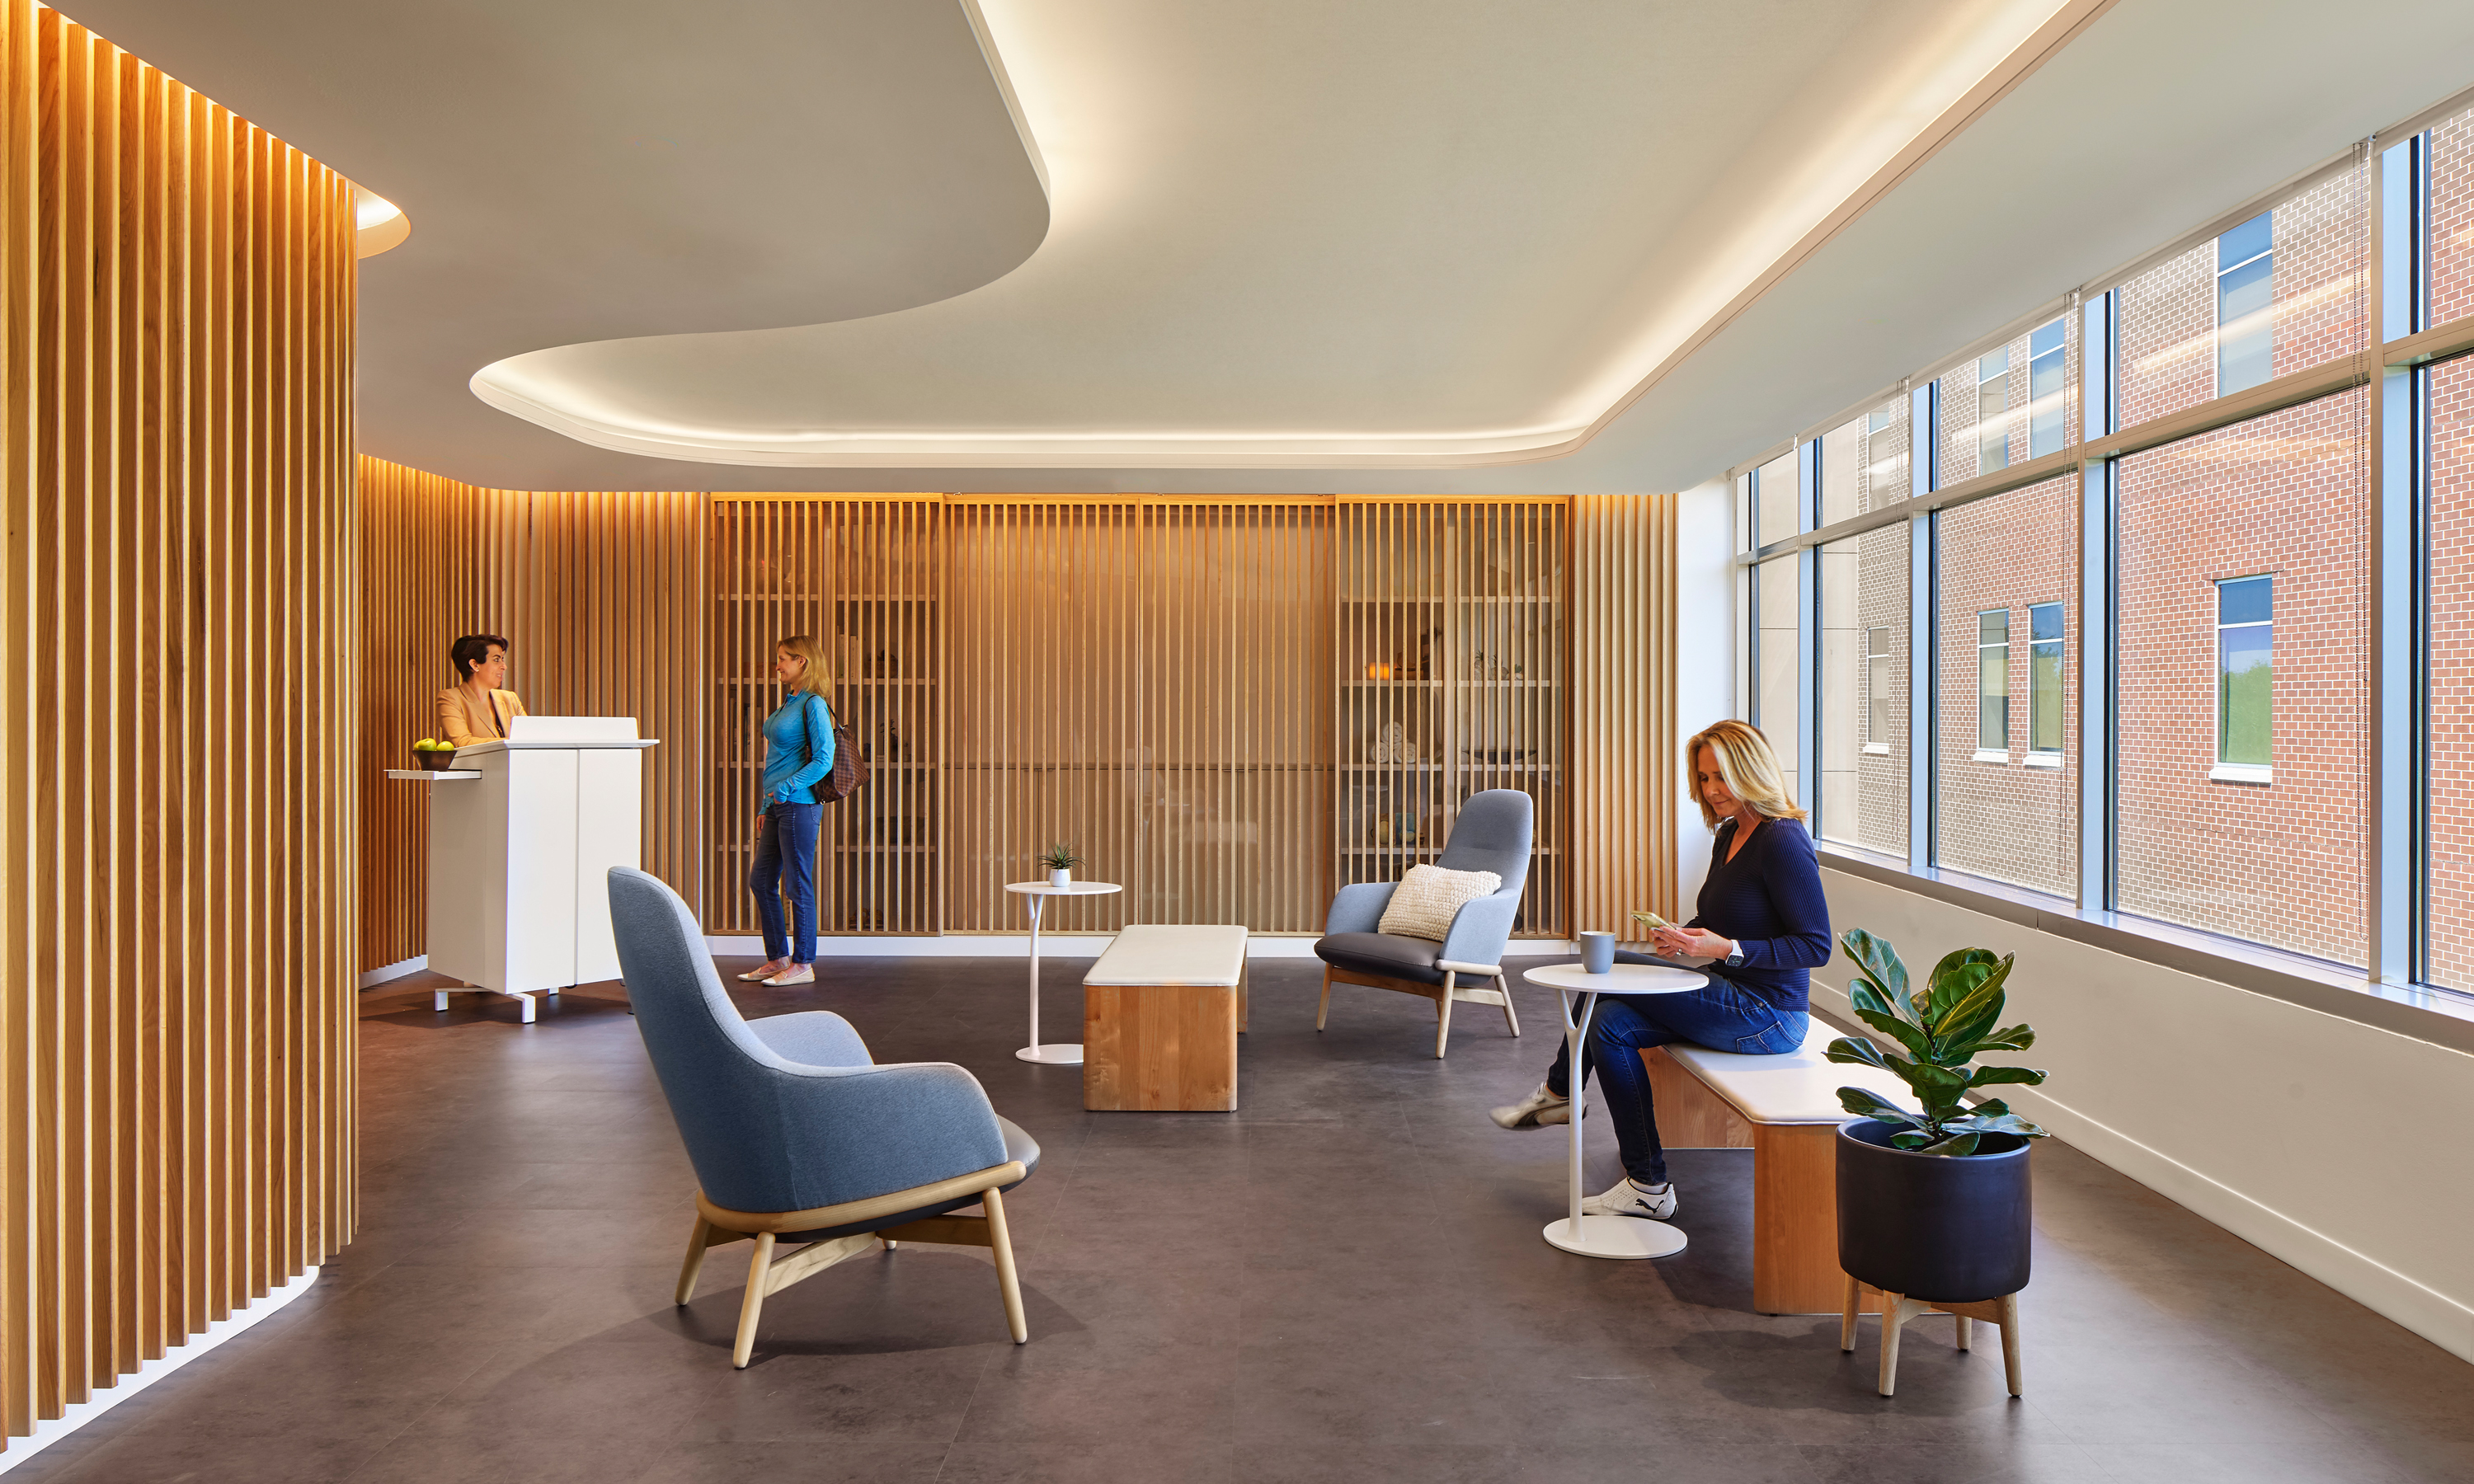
(438, 998)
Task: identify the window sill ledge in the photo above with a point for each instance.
(2044, 760)
(2241, 773)
(1876, 748)
(1986, 754)
(2440, 1016)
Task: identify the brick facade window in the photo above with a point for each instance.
(2204, 839)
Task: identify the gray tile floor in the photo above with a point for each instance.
(1342, 1280)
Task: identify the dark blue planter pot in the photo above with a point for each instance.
(1933, 1227)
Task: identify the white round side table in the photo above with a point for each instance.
(1605, 1237)
(1055, 1053)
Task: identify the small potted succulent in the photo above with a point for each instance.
(1934, 1205)
(1061, 861)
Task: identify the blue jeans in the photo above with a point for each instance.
(1720, 1016)
(788, 839)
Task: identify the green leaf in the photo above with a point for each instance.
(1879, 961)
(1897, 1030)
(1928, 1078)
(2005, 1123)
(1856, 1051)
(1910, 1141)
(1956, 1144)
(2010, 1037)
(1969, 1017)
(1866, 1104)
(1864, 994)
(1992, 1108)
(1986, 1076)
(1954, 978)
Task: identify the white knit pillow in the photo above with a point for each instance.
(1424, 903)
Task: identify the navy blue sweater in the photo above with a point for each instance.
(1768, 898)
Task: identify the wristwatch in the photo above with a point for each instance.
(1735, 960)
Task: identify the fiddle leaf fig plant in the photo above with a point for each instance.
(1953, 1018)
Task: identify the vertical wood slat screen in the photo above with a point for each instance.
(609, 613)
(176, 828)
(1451, 675)
(862, 574)
(1043, 729)
(439, 559)
(1232, 776)
(603, 598)
(1628, 783)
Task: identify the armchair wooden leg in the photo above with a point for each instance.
(1323, 1010)
(697, 1241)
(1444, 1016)
(1511, 1017)
(1847, 1320)
(1009, 1282)
(758, 1275)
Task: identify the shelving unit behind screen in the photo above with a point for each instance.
(864, 575)
(1452, 678)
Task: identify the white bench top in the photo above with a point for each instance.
(1797, 1086)
(1160, 954)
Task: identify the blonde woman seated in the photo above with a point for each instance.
(1763, 925)
(477, 707)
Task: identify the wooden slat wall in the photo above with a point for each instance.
(603, 597)
(1179, 687)
(610, 615)
(863, 575)
(1044, 722)
(1627, 782)
(439, 559)
(177, 882)
(1451, 627)
(1232, 771)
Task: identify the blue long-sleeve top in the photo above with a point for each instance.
(1768, 898)
(798, 750)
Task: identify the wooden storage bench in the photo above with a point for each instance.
(1785, 1110)
(1161, 1011)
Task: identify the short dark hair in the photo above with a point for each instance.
(471, 650)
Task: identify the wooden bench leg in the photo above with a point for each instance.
(1795, 1219)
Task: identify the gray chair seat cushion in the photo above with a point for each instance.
(1018, 1145)
(1382, 953)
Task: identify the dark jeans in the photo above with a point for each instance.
(788, 839)
(1720, 1016)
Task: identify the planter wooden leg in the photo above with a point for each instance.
(1893, 1316)
(2010, 1343)
(1962, 1331)
(1847, 1320)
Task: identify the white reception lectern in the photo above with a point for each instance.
(522, 834)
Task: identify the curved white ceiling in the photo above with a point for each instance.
(588, 173)
(1306, 234)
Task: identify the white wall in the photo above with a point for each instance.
(1707, 607)
(2340, 1147)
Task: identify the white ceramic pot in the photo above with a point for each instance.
(1060, 879)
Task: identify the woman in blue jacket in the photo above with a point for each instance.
(1765, 926)
(798, 755)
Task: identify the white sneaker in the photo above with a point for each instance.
(1654, 1203)
(1538, 1107)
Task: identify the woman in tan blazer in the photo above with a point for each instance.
(474, 709)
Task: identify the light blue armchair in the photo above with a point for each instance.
(1492, 834)
(797, 1137)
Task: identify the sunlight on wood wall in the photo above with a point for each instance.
(602, 598)
(1627, 783)
(177, 1038)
